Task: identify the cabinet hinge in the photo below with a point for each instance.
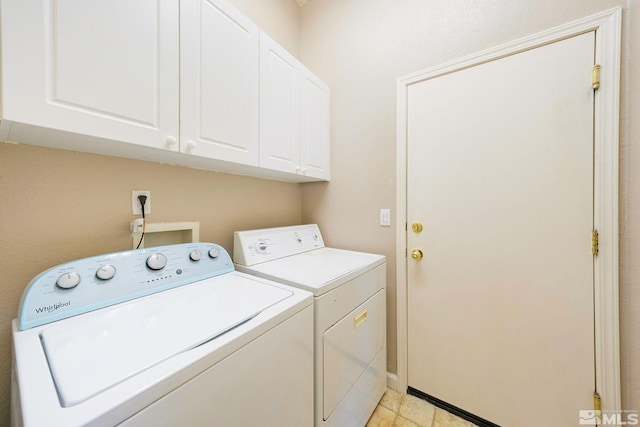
(595, 77)
(594, 242)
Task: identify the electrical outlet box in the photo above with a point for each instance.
(136, 226)
(135, 203)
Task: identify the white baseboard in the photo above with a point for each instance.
(392, 382)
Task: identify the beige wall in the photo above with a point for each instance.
(56, 206)
(278, 18)
(360, 48)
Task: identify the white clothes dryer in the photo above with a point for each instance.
(349, 291)
(164, 336)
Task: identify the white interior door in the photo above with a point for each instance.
(500, 174)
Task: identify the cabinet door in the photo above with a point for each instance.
(315, 134)
(279, 108)
(218, 82)
(102, 68)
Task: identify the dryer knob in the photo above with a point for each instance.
(68, 280)
(214, 253)
(261, 246)
(156, 261)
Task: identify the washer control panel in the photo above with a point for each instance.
(91, 283)
(255, 246)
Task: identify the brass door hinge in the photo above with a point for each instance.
(595, 77)
(597, 408)
(594, 242)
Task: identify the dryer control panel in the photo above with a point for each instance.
(255, 246)
(92, 283)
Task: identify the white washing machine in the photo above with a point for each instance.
(165, 336)
(349, 311)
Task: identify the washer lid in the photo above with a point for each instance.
(91, 353)
(318, 271)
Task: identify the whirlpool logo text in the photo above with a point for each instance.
(53, 307)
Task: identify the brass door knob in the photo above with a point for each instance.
(416, 227)
(416, 254)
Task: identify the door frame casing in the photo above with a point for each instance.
(607, 25)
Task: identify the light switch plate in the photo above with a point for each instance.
(385, 217)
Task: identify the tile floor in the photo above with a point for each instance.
(403, 410)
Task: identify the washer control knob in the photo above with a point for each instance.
(214, 253)
(156, 261)
(68, 280)
(261, 246)
(106, 272)
(195, 255)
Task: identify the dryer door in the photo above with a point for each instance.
(349, 348)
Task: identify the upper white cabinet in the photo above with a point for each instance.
(315, 136)
(280, 119)
(91, 68)
(219, 95)
(294, 114)
(185, 82)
